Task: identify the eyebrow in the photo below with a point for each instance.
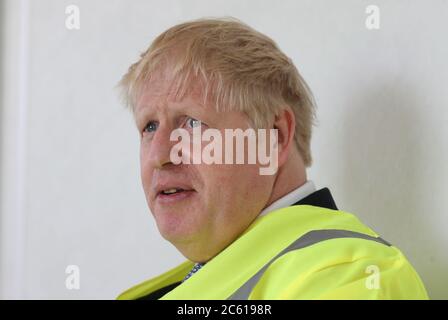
(142, 111)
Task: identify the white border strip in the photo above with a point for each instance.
(21, 132)
(15, 62)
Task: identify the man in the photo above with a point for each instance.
(245, 235)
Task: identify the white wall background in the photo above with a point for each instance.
(70, 188)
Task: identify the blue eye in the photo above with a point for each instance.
(192, 122)
(151, 126)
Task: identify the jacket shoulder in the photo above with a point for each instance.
(344, 268)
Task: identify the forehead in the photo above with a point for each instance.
(151, 101)
(158, 98)
(162, 91)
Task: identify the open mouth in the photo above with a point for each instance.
(174, 194)
(171, 191)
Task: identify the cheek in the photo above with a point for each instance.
(145, 168)
(229, 181)
(247, 188)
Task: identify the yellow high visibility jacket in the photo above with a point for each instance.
(298, 252)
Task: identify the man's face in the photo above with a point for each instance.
(215, 203)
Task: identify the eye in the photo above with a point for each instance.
(151, 126)
(192, 122)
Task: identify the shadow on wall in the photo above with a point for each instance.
(384, 145)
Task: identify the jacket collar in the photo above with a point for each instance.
(321, 198)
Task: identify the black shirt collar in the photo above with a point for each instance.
(321, 198)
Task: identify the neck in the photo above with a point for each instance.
(290, 176)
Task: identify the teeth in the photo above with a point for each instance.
(171, 191)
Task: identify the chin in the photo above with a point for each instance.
(175, 232)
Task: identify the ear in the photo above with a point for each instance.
(285, 123)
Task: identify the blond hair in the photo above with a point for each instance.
(239, 69)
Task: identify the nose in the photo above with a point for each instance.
(157, 153)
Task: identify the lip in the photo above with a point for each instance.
(187, 192)
(175, 197)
